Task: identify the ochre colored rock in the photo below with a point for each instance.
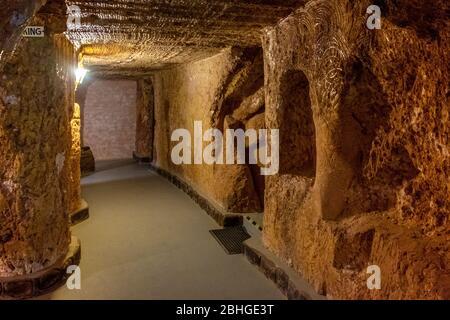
(74, 188)
(38, 148)
(141, 37)
(378, 192)
(209, 91)
(87, 161)
(13, 20)
(144, 119)
(363, 118)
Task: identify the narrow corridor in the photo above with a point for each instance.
(139, 258)
(321, 126)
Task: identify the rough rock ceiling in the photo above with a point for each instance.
(142, 35)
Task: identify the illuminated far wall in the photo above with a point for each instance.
(109, 125)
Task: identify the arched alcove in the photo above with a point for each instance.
(297, 134)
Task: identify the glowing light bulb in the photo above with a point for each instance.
(80, 73)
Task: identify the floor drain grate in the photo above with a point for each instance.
(231, 239)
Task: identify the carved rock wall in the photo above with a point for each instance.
(75, 158)
(145, 119)
(365, 173)
(36, 191)
(224, 91)
(14, 17)
(137, 36)
(363, 116)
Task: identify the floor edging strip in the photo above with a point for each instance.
(222, 218)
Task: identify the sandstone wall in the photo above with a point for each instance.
(109, 119)
(74, 191)
(224, 91)
(36, 108)
(364, 151)
(14, 17)
(81, 91)
(145, 119)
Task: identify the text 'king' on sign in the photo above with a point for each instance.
(33, 31)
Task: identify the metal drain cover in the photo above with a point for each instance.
(231, 239)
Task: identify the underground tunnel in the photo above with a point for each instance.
(258, 149)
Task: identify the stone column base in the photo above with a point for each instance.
(140, 159)
(292, 285)
(44, 281)
(81, 214)
(224, 219)
(87, 161)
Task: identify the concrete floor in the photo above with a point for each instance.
(146, 239)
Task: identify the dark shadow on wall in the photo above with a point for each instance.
(426, 18)
(365, 108)
(297, 133)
